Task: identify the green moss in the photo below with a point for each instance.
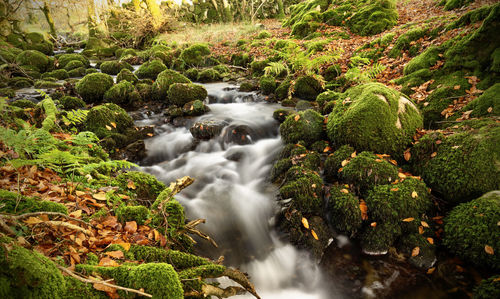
(71, 103)
(114, 67)
(463, 165)
(126, 75)
(282, 90)
(42, 84)
(471, 17)
(78, 72)
(17, 204)
(280, 168)
(281, 114)
(7, 92)
(308, 127)
(147, 186)
(488, 104)
(150, 69)
(192, 74)
(374, 18)
(20, 82)
(194, 108)
(267, 84)
(425, 60)
(209, 75)
(164, 81)
(73, 64)
(195, 55)
(257, 67)
(182, 93)
(473, 225)
(305, 188)
(334, 162)
(76, 289)
(93, 87)
(145, 91)
(102, 119)
(488, 288)
(452, 4)
(343, 211)
(304, 29)
(122, 93)
(180, 260)
(332, 72)
(264, 34)
(376, 118)
(23, 104)
(366, 170)
(174, 213)
(307, 88)
(64, 59)
(30, 274)
(138, 214)
(32, 58)
(241, 59)
(58, 74)
(378, 239)
(406, 40)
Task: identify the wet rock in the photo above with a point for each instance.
(207, 129)
(239, 134)
(135, 151)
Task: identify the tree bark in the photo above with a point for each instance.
(91, 20)
(137, 5)
(155, 11)
(48, 17)
(281, 9)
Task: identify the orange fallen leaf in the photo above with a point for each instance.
(108, 128)
(421, 230)
(415, 251)
(126, 246)
(394, 189)
(414, 194)
(353, 155)
(131, 227)
(344, 163)
(364, 210)
(108, 262)
(431, 270)
(344, 191)
(434, 154)
(131, 185)
(76, 214)
(424, 224)
(305, 223)
(408, 219)
(489, 250)
(297, 117)
(33, 220)
(373, 224)
(79, 193)
(402, 175)
(117, 254)
(99, 196)
(456, 87)
(113, 125)
(430, 240)
(313, 233)
(407, 155)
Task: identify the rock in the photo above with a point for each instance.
(162, 84)
(195, 54)
(374, 18)
(123, 94)
(209, 75)
(182, 93)
(64, 59)
(307, 88)
(150, 69)
(34, 59)
(281, 114)
(114, 67)
(74, 64)
(305, 125)
(334, 161)
(267, 84)
(373, 117)
(195, 108)
(239, 134)
(207, 129)
(343, 210)
(71, 103)
(305, 188)
(471, 231)
(126, 74)
(93, 87)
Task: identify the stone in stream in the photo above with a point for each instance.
(207, 129)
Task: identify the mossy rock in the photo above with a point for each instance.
(242, 60)
(267, 84)
(304, 29)
(78, 72)
(122, 93)
(126, 75)
(182, 93)
(20, 82)
(367, 170)
(281, 114)
(425, 60)
(209, 75)
(14, 203)
(192, 74)
(139, 214)
(33, 58)
(406, 41)
(426, 257)
(460, 166)
(24, 104)
(58, 74)
(195, 55)
(332, 72)
(488, 288)
(109, 121)
(375, 118)
(472, 226)
(7, 92)
(305, 188)
(307, 88)
(145, 91)
(452, 4)
(164, 81)
(280, 168)
(343, 210)
(147, 187)
(71, 103)
(282, 90)
(305, 125)
(150, 69)
(194, 108)
(92, 87)
(376, 17)
(73, 64)
(488, 104)
(64, 59)
(114, 67)
(376, 240)
(43, 84)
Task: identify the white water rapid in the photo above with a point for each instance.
(232, 193)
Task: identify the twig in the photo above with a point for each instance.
(35, 214)
(67, 225)
(6, 229)
(238, 67)
(208, 290)
(89, 280)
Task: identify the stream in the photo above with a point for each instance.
(232, 191)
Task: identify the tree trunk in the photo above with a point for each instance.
(281, 9)
(155, 11)
(48, 17)
(91, 20)
(227, 13)
(216, 7)
(137, 5)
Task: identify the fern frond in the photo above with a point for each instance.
(276, 69)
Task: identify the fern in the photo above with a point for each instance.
(375, 70)
(107, 167)
(75, 117)
(276, 69)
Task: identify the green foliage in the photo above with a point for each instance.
(138, 214)
(264, 34)
(64, 59)
(34, 59)
(488, 288)
(307, 87)
(488, 104)
(267, 84)
(452, 4)
(376, 17)
(472, 226)
(114, 67)
(14, 203)
(209, 75)
(334, 162)
(425, 60)
(305, 125)
(71, 103)
(126, 74)
(75, 117)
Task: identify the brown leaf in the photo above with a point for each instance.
(489, 250)
(430, 240)
(373, 224)
(131, 185)
(415, 251)
(344, 163)
(344, 191)
(414, 194)
(117, 254)
(131, 227)
(456, 87)
(431, 270)
(126, 246)
(490, 109)
(305, 223)
(353, 155)
(424, 224)
(99, 196)
(113, 125)
(364, 210)
(408, 219)
(434, 154)
(104, 288)
(401, 175)
(421, 230)
(394, 189)
(33, 220)
(297, 117)
(315, 236)
(407, 155)
(108, 128)
(108, 262)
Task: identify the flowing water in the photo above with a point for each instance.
(232, 193)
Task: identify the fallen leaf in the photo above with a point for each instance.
(33, 220)
(490, 109)
(364, 210)
(408, 219)
(407, 155)
(431, 270)
(344, 191)
(456, 87)
(131, 185)
(434, 154)
(313, 233)
(424, 224)
(99, 196)
(430, 240)
(344, 163)
(489, 250)
(305, 223)
(401, 175)
(79, 193)
(373, 224)
(126, 246)
(394, 189)
(150, 134)
(414, 194)
(108, 262)
(353, 155)
(297, 117)
(421, 230)
(76, 214)
(108, 128)
(415, 251)
(131, 227)
(117, 254)
(113, 125)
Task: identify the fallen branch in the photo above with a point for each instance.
(238, 67)
(179, 185)
(242, 279)
(89, 280)
(208, 290)
(67, 225)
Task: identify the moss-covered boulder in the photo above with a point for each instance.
(461, 165)
(195, 55)
(71, 103)
(150, 69)
(126, 74)
(113, 67)
(305, 188)
(34, 59)
(471, 230)
(44, 84)
(145, 185)
(182, 93)
(305, 125)
(281, 114)
(209, 75)
(194, 108)
(452, 4)
(488, 288)
(14, 203)
(123, 94)
(111, 123)
(374, 18)
(333, 162)
(367, 170)
(20, 82)
(78, 72)
(267, 84)
(307, 88)
(343, 210)
(164, 81)
(92, 87)
(64, 59)
(58, 74)
(74, 64)
(488, 104)
(376, 118)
